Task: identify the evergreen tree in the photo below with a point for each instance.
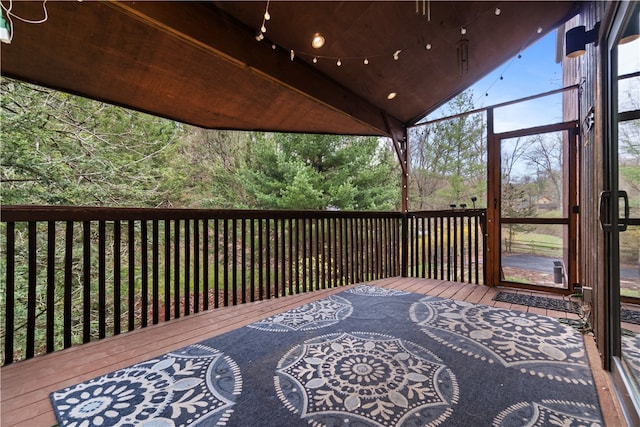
(301, 171)
(59, 149)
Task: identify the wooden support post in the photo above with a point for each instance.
(492, 228)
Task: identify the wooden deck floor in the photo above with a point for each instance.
(25, 386)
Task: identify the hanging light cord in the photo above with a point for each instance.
(8, 12)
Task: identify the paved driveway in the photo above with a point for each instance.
(545, 265)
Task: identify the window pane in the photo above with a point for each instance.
(532, 176)
(533, 254)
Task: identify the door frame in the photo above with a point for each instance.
(627, 391)
(494, 201)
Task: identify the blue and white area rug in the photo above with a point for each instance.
(367, 356)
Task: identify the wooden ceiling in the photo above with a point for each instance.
(200, 62)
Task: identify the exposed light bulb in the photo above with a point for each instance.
(263, 29)
(273, 46)
(428, 46)
(498, 11)
(259, 36)
(366, 61)
(339, 63)
(315, 60)
(463, 30)
(391, 95)
(293, 54)
(539, 30)
(317, 41)
(396, 54)
(267, 16)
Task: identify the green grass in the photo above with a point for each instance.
(625, 292)
(541, 239)
(537, 244)
(518, 280)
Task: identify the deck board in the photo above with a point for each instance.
(26, 385)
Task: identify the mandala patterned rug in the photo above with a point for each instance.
(367, 356)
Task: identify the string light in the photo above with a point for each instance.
(267, 16)
(318, 38)
(539, 30)
(263, 27)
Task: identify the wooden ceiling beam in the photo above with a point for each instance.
(211, 30)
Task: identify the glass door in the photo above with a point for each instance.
(538, 192)
(620, 204)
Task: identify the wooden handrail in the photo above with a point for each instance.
(15, 213)
(77, 274)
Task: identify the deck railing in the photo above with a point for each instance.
(447, 245)
(73, 275)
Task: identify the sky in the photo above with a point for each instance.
(629, 62)
(534, 72)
